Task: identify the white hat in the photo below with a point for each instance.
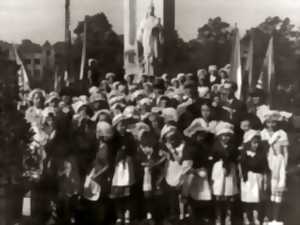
(145, 101)
(195, 127)
(180, 76)
(167, 130)
(129, 75)
(90, 61)
(170, 114)
(116, 99)
(117, 119)
(93, 90)
(109, 75)
(78, 105)
(139, 129)
(130, 112)
(95, 97)
(84, 98)
(203, 91)
(250, 134)
(115, 85)
(138, 94)
(224, 128)
(35, 91)
(105, 129)
(272, 115)
(51, 97)
(212, 68)
(100, 112)
(118, 105)
(165, 76)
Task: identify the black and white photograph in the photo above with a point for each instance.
(150, 112)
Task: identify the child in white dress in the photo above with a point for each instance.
(278, 142)
(224, 172)
(254, 170)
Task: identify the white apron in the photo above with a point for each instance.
(252, 189)
(200, 189)
(124, 174)
(224, 185)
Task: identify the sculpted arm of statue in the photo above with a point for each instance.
(140, 33)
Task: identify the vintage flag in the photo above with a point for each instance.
(23, 80)
(66, 78)
(248, 79)
(236, 67)
(57, 81)
(266, 79)
(83, 54)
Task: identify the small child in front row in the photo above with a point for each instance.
(151, 162)
(254, 170)
(224, 173)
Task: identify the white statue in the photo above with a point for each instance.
(150, 40)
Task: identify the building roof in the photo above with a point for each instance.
(27, 47)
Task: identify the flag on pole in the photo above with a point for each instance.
(57, 81)
(83, 54)
(266, 79)
(248, 79)
(23, 80)
(66, 78)
(236, 67)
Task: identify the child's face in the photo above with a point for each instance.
(38, 100)
(121, 128)
(225, 138)
(83, 112)
(254, 144)
(50, 121)
(103, 117)
(96, 105)
(154, 122)
(271, 124)
(245, 125)
(173, 139)
(216, 101)
(68, 167)
(54, 103)
(163, 103)
(199, 137)
(205, 111)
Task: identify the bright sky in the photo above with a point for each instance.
(41, 20)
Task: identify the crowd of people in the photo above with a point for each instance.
(155, 149)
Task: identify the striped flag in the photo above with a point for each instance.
(266, 79)
(23, 80)
(236, 67)
(83, 54)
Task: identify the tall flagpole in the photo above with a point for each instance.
(67, 38)
(83, 54)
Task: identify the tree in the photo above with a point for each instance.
(103, 44)
(212, 45)
(285, 45)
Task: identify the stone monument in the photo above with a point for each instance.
(148, 25)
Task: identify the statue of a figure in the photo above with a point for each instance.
(150, 40)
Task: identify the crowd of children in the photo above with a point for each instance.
(156, 149)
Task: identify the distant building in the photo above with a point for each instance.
(38, 60)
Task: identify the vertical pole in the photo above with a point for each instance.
(67, 38)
